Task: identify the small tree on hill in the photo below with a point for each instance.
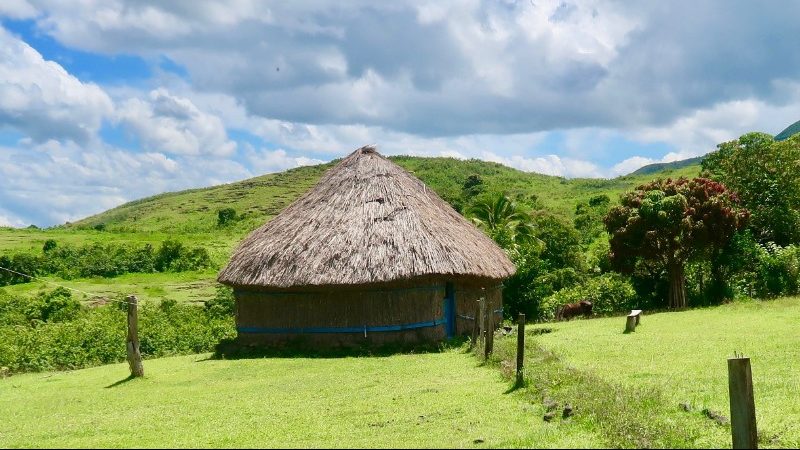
(226, 216)
(667, 222)
(473, 186)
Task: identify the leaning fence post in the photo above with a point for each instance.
(489, 329)
(743, 408)
(520, 348)
(482, 323)
(134, 355)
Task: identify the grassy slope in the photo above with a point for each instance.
(261, 198)
(683, 355)
(426, 400)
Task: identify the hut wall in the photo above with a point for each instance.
(277, 318)
(270, 317)
(467, 296)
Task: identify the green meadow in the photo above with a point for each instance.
(414, 400)
(638, 381)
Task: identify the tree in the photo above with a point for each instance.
(589, 217)
(225, 216)
(766, 176)
(49, 245)
(502, 219)
(665, 223)
(473, 186)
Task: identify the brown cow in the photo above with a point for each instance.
(571, 310)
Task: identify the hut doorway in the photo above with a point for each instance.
(450, 310)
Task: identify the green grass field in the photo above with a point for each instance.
(681, 357)
(193, 286)
(406, 400)
(625, 390)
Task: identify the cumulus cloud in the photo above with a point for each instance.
(548, 86)
(55, 182)
(453, 68)
(41, 100)
(268, 161)
(164, 122)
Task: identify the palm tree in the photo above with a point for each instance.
(503, 220)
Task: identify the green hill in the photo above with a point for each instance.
(658, 167)
(790, 131)
(261, 198)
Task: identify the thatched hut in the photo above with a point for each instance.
(369, 255)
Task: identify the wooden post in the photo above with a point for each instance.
(743, 408)
(489, 329)
(520, 348)
(476, 323)
(482, 322)
(134, 356)
(630, 324)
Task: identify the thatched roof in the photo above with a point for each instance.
(366, 221)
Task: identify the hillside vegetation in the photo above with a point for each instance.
(258, 199)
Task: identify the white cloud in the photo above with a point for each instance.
(17, 9)
(548, 165)
(40, 99)
(55, 182)
(268, 161)
(172, 124)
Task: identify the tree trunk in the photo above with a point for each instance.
(677, 288)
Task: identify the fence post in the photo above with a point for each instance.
(489, 328)
(482, 323)
(743, 408)
(134, 355)
(476, 324)
(520, 348)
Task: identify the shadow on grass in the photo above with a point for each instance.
(232, 349)
(122, 381)
(519, 384)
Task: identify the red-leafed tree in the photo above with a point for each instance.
(667, 222)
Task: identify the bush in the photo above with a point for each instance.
(97, 336)
(223, 303)
(609, 293)
(778, 270)
(101, 260)
(226, 216)
(58, 306)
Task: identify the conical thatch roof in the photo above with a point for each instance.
(366, 221)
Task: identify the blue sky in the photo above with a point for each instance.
(102, 102)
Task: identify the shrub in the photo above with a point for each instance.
(58, 306)
(49, 245)
(97, 336)
(609, 293)
(226, 216)
(223, 303)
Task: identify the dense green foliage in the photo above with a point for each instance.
(109, 260)
(766, 176)
(53, 331)
(662, 225)
(226, 216)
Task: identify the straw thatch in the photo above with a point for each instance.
(367, 221)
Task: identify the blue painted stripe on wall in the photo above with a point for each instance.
(367, 329)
